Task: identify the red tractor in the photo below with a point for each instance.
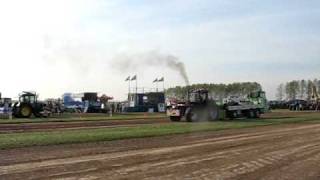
(198, 107)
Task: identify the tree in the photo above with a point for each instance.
(292, 89)
(280, 92)
(303, 89)
(317, 84)
(216, 91)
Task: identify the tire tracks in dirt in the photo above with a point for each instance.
(211, 158)
(54, 126)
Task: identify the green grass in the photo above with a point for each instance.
(17, 140)
(83, 117)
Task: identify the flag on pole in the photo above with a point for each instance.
(161, 79)
(156, 80)
(128, 78)
(134, 78)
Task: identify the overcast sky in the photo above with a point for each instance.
(57, 46)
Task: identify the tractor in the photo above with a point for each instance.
(198, 107)
(28, 105)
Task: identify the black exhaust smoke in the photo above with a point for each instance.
(125, 62)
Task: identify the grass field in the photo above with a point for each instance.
(16, 140)
(84, 117)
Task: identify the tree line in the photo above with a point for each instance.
(297, 89)
(216, 91)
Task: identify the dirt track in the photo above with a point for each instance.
(52, 126)
(273, 152)
(49, 126)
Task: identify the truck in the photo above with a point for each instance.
(199, 106)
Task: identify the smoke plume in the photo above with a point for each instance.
(125, 62)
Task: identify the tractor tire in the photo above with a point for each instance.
(25, 111)
(175, 118)
(16, 110)
(193, 116)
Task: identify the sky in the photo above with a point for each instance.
(57, 46)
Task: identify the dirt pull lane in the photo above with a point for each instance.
(274, 152)
(38, 127)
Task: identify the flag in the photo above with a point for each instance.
(161, 80)
(128, 78)
(134, 78)
(156, 80)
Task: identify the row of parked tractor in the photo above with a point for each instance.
(296, 105)
(28, 105)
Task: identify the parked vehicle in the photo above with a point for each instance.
(200, 107)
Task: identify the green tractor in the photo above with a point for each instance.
(28, 105)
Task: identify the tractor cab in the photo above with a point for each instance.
(199, 96)
(259, 98)
(28, 97)
(257, 94)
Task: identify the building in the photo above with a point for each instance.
(146, 102)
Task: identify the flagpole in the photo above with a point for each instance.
(137, 85)
(163, 85)
(129, 87)
(136, 89)
(157, 86)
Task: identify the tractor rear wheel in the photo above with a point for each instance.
(25, 111)
(193, 116)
